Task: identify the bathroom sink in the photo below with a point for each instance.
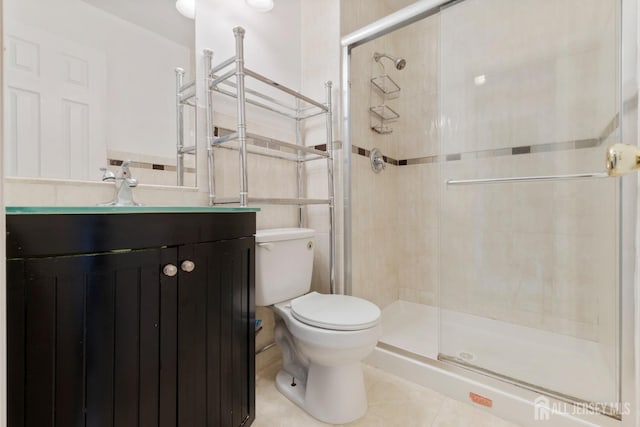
(90, 210)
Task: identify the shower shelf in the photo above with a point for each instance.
(381, 129)
(386, 86)
(384, 113)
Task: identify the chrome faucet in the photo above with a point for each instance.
(124, 183)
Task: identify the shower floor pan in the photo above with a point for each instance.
(559, 363)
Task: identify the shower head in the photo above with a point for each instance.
(399, 63)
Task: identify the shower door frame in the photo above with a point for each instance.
(629, 274)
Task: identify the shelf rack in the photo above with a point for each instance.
(386, 86)
(185, 95)
(381, 114)
(228, 78)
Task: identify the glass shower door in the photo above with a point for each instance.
(529, 265)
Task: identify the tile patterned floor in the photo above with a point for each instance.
(393, 402)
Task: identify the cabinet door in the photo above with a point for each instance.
(84, 345)
(216, 347)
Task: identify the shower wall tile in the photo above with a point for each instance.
(580, 205)
(530, 265)
(514, 239)
(363, 97)
(417, 232)
(548, 247)
(539, 85)
(541, 255)
(542, 251)
(418, 296)
(583, 269)
(530, 210)
(355, 14)
(417, 131)
(375, 268)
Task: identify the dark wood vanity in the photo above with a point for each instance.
(131, 319)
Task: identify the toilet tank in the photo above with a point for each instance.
(284, 262)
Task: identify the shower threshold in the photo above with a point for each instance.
(548, 363)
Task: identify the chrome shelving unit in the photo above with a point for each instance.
(185, 95)
(228, 78)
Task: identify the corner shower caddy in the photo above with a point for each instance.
(218, 80)
(185, 95)
(387, 89)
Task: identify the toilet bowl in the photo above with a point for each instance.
(323, 338)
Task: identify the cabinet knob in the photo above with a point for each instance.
(170, 270)
(188, 266)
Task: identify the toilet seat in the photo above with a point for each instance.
(335, 312)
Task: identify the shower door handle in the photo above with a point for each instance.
(622, 159)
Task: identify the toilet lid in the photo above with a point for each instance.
(335, 312)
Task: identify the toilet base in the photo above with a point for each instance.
(334, 395)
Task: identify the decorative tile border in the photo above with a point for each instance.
(154, 166)
(483, 154)
(611, 127)
(469, 155)
(366, 153)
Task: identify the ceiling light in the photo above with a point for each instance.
(187, 8)
(261, 5)
(480, 80)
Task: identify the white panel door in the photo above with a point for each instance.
(55, 92)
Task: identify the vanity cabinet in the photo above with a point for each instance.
(131, 320)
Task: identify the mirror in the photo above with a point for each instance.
(90, 83)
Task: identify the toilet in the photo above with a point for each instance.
(323, 338)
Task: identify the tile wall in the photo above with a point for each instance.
(492, 98)
(542, 254)
(320, 61)
(374, 196)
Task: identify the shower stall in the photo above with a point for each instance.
(494, 239)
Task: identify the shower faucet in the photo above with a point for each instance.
(376, 158)
(124, 183)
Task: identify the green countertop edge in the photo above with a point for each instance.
(53, 210)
